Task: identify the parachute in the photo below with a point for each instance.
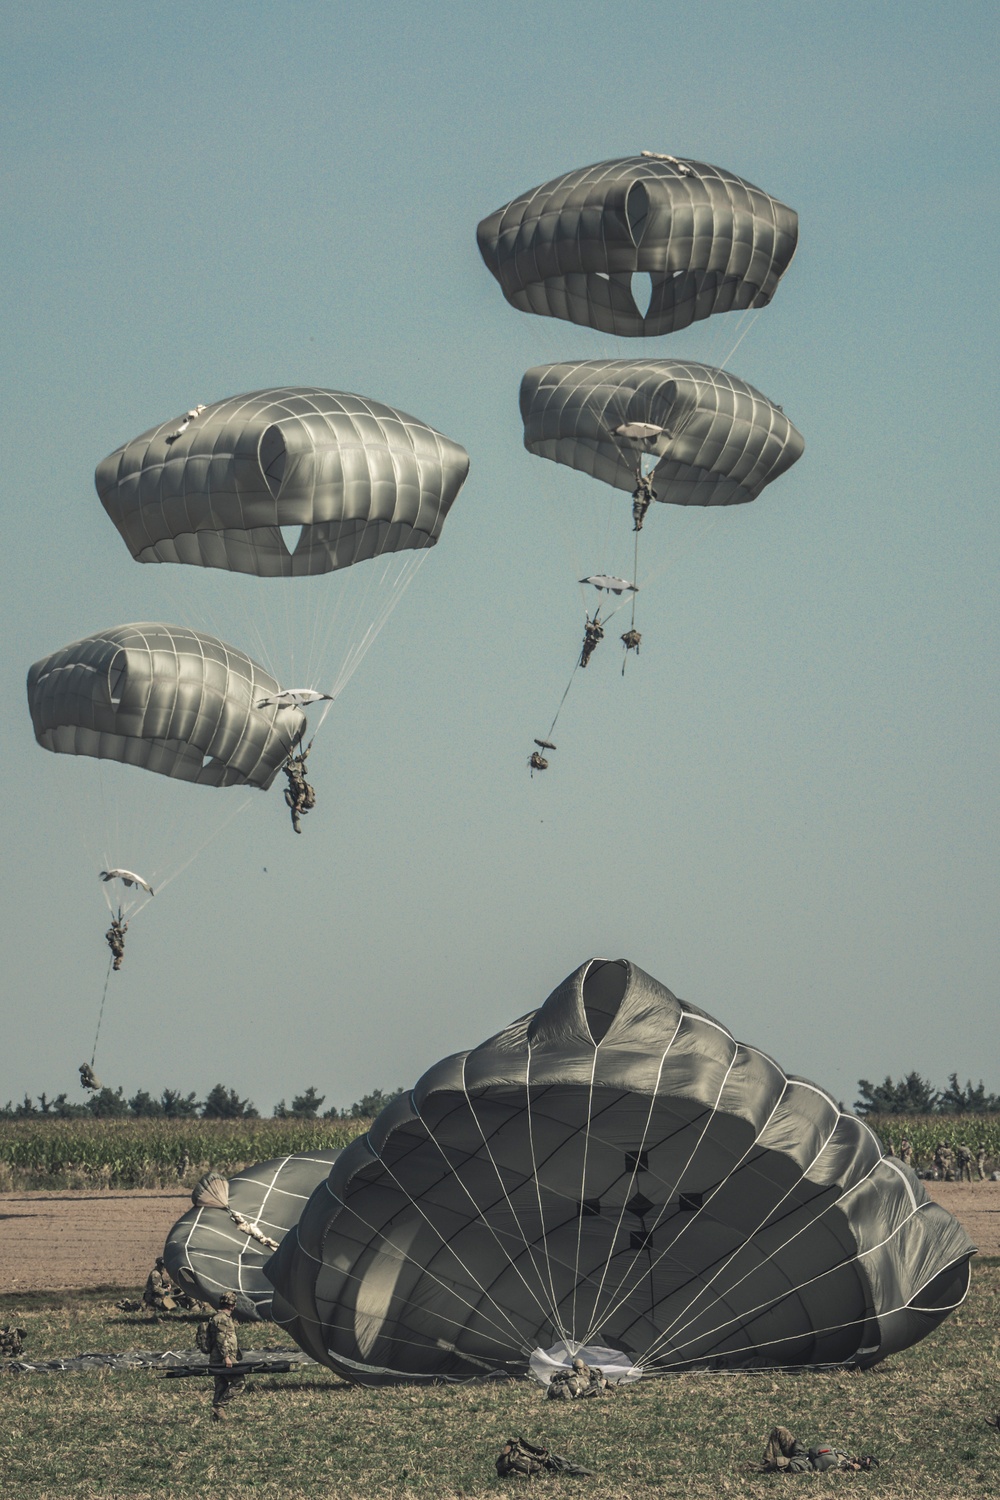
(292, 483)
(165, 698)
(129, 879)
(222, 1243)
(711, 439)
(282, 483)
(690, 238)
(614, 1170)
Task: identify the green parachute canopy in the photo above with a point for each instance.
(614, 1170)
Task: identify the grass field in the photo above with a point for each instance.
(308, 1434)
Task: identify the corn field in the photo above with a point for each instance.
(151, 1153)
(924, 1131)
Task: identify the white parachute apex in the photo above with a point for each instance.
(294, 698)
(128, 878)
(611, 584)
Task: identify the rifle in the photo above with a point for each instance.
(245, 1367)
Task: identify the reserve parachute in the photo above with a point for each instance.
(640, 246)
(615, 1171)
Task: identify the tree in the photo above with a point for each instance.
(958, 1101)
(177, 1106)
(366, 1108)
(304, 1106)
(108, 1104)
(226, 1104)
(145, 1106)
(912, 1095)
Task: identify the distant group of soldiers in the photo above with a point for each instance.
(950, 1165)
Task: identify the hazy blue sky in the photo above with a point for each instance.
(787, 810)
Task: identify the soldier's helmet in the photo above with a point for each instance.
(160, 1263)
(228, 1299)
(579, 1364)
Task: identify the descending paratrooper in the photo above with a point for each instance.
(300, 796)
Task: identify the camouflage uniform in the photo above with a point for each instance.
(593, 632)
(159, 1291)
(906, 1152)
(964, 1164)
(11, 1341)
(580, 1380)
(944, 1159)
(785, 1455)
(223, 1344)
(981, 1163)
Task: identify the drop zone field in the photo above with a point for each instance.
(115, 1434)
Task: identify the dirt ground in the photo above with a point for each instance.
(57, 1241)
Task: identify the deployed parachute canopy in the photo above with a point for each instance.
(166, 698)
(128, 878)
(700, 240)
(718, 440)
(614, 1170)
(282, 483)
(222, 1243)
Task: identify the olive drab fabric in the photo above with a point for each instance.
(703, 240)
(717, 440)
(230, 486)
(208, 1252)
(614, 1165)
(165, 698)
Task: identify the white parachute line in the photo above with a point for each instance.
(561, 1327)
(803, 1229)
(179, 870)
(673, 1189)
(100, 1013)
(705, 1285)
(389, 602)
(447, 1244)
(741, 334)
(830, 1327)
(597, 1320)
(480, 1215)
(583, 1189)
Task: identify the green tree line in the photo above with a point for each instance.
(220, 1103)
(913, 1095)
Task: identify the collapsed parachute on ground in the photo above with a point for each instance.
(282, 483)
(222, 1243)
(165, 698)
(714, 439)
(614, 1169)
(703, 240)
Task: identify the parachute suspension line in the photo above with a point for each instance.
(546, 1310)
(100, 1013)
(162, 885)
(674, 1188)
(741, 335)
(556, 1315)
(562, 700)
(475, 1308)
(770, 1301)
(583, 1189)
(600, 1316)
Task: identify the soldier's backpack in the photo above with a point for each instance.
(203, 1337)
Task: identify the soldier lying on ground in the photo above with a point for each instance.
(518, 1456)
(784, 1454)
